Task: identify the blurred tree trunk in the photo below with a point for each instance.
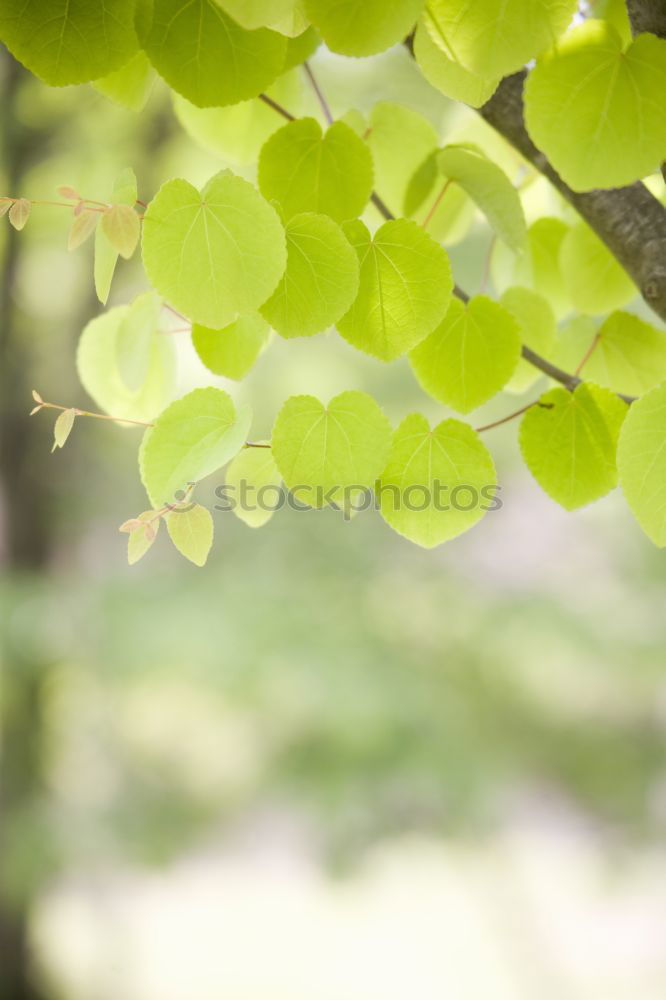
(26, 536)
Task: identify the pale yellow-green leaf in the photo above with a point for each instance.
(130, 85)
(569, 443)
(596, 109)
(213, 254)
(321, 451)
(437, 483)
(470, 356)
(190, 528)
(63, 427)
(253, 486)
(537, 326)
(641, 458)
(232, 351)
(195, 436)
(19, 213)
(595, 281)
(446, 74)
(97, 365)
(404, 292)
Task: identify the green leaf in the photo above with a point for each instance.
(595, 281)
(596, 110)
(135, 339)
(470, 356)
(447, 75)
(400, 140)
(294, 22)
(489, 187)
(437, 483)
(141, 535)
(363, 27)
(68, 41)
(190, 529)
(569, 441)
(130, 85)
(194, 437)
(320, 282)
(215, 254)
(206, 56)
(253, 14)
(404, 292)
(237, 133)
(538, 267)
(306, 171)
(122, 229)
(232, 351)
(629, 357)
(496, 37)
(97, 364)
(537, 330)
(641, 458)
(320, 450)
(256, 469)
(106, 256)
(63, 427)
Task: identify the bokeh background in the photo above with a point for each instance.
(329, 766)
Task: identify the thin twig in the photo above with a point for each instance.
(277, 107)
(319, 92)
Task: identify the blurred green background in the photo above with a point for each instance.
(330, 765)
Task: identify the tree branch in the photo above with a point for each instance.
(647, 15)
(630, 220)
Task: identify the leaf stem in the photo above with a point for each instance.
(435, 205)
(588, 353)
(512, 416)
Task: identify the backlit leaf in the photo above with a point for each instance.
(470, 356)
(232, 351)
(596, 282)
(495, 37)
(321, 450)
(306, 171)
(437, 483)
(451, 77)
(253, 483)
(490, 189)
(537, 326)
(569, 442)
(404, 292)
(122, 229)
(194, 437)
(97, 364)
(206, 56)
(190, 529)
(321, 279)
(216, 253)
(363, 27)
(641, 458)
(596, 110)
(69, 41)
